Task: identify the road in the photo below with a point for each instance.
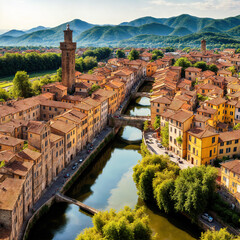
(152, 145)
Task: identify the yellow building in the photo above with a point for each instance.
(230, 177)
(210, 113)
(230, 112)
(202, 146)
(219, 105)
(229, 144)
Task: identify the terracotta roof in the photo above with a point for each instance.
(200, 118)
(19, 168)
(228, 136)
(201, 133)
(164, 100)
(29, 154)
(181, 116)
(63, 126)
(176, 104)
(91, 77)
(36, 126)
(193, 69)
(6, 156)
(55, 137)
(56, 104)
(233, 166)
(10, 141)
(216, 101)
(10, 189)
(208, 110)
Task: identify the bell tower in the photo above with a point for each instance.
(203, 46)
(68, 59)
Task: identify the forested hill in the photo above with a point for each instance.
(147, 31)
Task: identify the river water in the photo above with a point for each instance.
(106, 184)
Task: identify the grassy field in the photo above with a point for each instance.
(31, 75)
(7, 81)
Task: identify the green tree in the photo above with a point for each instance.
(4, 95)
(165, 135)
(156, 123)
(59, 74)
(21, 85)
(37, 87)
(145, 126)
(120, 54)
(232, 69)
(222, 234)
(238, 50)
(157, 54)
(213, 68)
(203, 65)
(179, 140)
(94, 87)
(184, 63)
(133, 55)
(236, 127)
(127, 224)
(194, 189)
(170, 49)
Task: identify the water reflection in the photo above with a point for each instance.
(139, 107)
(130, 134)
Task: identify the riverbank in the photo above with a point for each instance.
(61, 184)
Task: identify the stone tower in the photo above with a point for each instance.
(203, 46)
(68, 59)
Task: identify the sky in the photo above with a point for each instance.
(25, 14)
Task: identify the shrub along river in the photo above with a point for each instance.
(108, 183)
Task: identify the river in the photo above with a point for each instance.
(106, 184)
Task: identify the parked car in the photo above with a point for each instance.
(67, 175)
(170, 155)
(207, 217)
(166, 152)
(180, 161)
(80, 160)
(74, 167)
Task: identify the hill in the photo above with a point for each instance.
(180, 31)
(13, 33)
(86, 34)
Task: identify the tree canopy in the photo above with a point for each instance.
(157, 54)
(4, 96)
(133, 55)
(165, 135)
(202, 65)
(99, 53)
(222, 234)
(127, 224)
(156, 123)
(85, 64)
(183, 62)
(22, 85)
(120, 54)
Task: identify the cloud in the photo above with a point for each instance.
(201, 5)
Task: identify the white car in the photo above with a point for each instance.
(207, 217)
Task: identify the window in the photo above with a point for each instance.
(30, 135)
(190, 138)
(222, 144)
(50, 108)
(236, 141)
(213, 140)
(235, 149)
(210, 154)
(195, 140)
(228, 150)
(189, 147)
(193, 150)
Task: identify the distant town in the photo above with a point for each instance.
(194, 119)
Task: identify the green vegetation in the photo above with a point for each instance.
(183, 62)
(133, 55)
(224, 211)
(232, 69)
(3, 95)
(94, 87)
(188, 191)
(126, 224)
(99, 53)
(156, 123)
(85, 64)
(120, 54)
(157, 54)
(179, 140)
(203, 65)
(165, 135)
(145, 126)
(144, 150)
(213, 68)
(201, 97)
(10, 63)
(222, 234)
(22, 85)
(236, 127)
(2, 164)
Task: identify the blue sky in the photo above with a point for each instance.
(25, 14)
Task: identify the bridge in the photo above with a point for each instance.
(126, 120)
(62, 198)
(141, 94)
